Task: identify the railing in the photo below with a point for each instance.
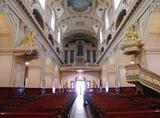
(135, 73)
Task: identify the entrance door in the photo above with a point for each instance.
(80, 87)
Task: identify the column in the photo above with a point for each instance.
(117, 70)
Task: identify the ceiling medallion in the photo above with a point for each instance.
(80, 5)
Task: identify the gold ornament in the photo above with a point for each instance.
(131, 34)
(29, 40)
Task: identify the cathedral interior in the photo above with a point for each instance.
(80, 58)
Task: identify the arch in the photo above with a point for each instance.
(120, 17)
(6, 42)
(5, 32)
(102, 50)
(108, 39)
(57, 49)
(50, 37)
(38, 17)
(152, 41)
(70, 77)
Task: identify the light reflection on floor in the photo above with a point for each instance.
(78, 110)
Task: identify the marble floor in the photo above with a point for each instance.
(78, 110)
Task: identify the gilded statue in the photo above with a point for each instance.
(131, 34)
(29, 40)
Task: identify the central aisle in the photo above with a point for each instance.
(78, 110)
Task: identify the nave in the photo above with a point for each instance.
(78, 110)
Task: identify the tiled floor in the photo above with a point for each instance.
(78, 110)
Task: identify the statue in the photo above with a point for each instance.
(131, 34)
(29, 40)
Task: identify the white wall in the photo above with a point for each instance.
(33, 80)
(153, 62)
(5, 70)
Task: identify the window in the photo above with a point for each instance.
(72, 56)
(42, 2)
(116, 3)
(101, 35)
(51, 39)
(106, 21)
(38, 17)
(88, 56)
(59, 36)
(53, 21)
(94, 56)
(66, 56)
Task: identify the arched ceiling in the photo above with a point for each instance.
(86, 15)
(80, 35)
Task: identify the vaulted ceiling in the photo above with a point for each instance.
(80, 15)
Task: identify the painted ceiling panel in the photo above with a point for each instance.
(79, 5)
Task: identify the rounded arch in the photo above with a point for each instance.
(152, 25)
(58, 51)
(50, 37)
(120, 18)
(71, 77)
(108, 39)
(152, 42)
(72, 36)
(102, 50)
(6, 40)
(38, 17)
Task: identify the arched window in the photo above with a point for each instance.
(57, 49)
(38, 17)
(116, 3)
(102, 49)
(53, 21)
(50, 37)
(106, 21)
(108, 39)
(101, 35)
(42, 2)
(59, 36)
(120, 18)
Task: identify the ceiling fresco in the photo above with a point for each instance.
(79, 5)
